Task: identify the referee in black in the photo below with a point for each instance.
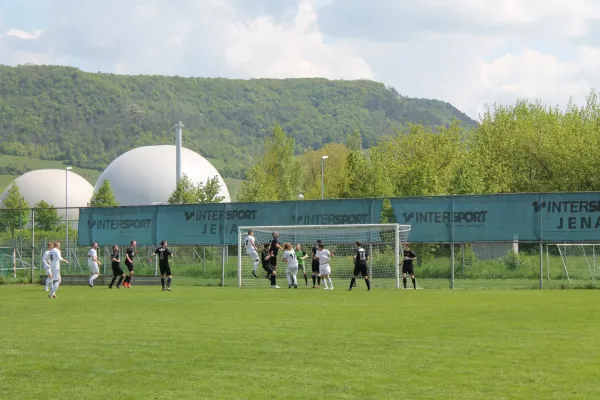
(360, 266)
(163, 254)
(407, 265)
(274, 249)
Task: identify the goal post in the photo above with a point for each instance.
(573, 261)
(382, 241)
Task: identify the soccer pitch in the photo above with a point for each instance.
(227, 343)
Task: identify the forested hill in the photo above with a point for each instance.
(63, 113)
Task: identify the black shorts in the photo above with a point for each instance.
(129, 266)
(166, 270)
(408, 269)
(315, 267)
(273, 261)
(360, 270)
(268, 269)
(117, 271)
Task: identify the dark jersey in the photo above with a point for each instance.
(263, 257)
(409, 253)
(117, 263)
(163, 256)
(314, 254)
(274, 247)
(361, 257)
(130, 253)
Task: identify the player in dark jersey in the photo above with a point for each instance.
(361, 256)
(116, 268)
(407, 265)
(265, 257)
(274, 249)
(129, 255)
(316, 277)
(163, 253)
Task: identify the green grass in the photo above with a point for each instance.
(225, 343)
(90, 175)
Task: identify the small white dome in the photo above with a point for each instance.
(146, 175)
(50, 185)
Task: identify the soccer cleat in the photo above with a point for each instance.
(164, 289)
(47, 289)
(50, 296)
(110, 287)
(118, 287)
(54, 296)
(91, 284)
(295, 286)
(368, 290)
(275, 287)
(331, 288)
(254, 274)
(169, 289)
(349, 289)
(289, 286)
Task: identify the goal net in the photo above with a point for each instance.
(382, 241)
(576, 261)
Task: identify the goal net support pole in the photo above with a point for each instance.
(578, 260)
(382, 241)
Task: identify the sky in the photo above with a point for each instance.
(470, 53)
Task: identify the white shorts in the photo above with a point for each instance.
(324, 269)
(47, 270)
(56, 275)
(94, 269)
(252, 254)
(292, 270)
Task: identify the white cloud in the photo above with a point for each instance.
(466, 52)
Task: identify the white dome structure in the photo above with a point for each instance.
(146, 175)
(50, 185)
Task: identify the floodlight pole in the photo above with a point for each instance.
(67, 169)
(178, 146)
(323, 176)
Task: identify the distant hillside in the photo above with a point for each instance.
(64, 114)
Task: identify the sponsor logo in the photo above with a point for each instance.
(332, 219)
(220, 215)
(119, 224)
(455, 218)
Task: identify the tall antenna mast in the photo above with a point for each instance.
(178, 145)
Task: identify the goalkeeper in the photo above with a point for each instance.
(301, 256)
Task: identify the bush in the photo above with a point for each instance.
(514, 260)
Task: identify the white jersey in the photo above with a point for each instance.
(249, 242)
(92, 254)
(324, 256)
(46, 259)
(55, 259)
(290, 257)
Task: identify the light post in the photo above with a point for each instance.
(323, 176)
(67, 169)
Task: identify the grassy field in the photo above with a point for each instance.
(225, 343)
(92, 176)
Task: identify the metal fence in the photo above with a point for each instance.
(478, 265)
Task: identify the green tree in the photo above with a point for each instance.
(277, 175)
(104, 197)
(46, 217)
(14, 214)
(186, 192)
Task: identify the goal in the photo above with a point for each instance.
(382, 241)
(573, 261)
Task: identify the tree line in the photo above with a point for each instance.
(525, 147)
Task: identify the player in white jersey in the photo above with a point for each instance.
(46, 265)
(250, 243)
(55, 260)
(324, 256)
(289, 256)
(93, 264)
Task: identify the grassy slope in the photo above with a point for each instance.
(225, 343)
(91, 175)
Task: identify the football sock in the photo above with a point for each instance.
(273, 280)
(112, 282)
(128, 279)
(368, 282)
(414, 281)
(318, 280)
(314, 278)
(120, 280)
(55, 286)
(93, 278)
(325, 283)
(295, 280)
(169, 282)
(306, 279)
(330, 283)
(162, 282)
(404, 282)
(289, 278)
(352, 282)
(48, 283)
(255, 267)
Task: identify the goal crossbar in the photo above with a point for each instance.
(370, 235)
